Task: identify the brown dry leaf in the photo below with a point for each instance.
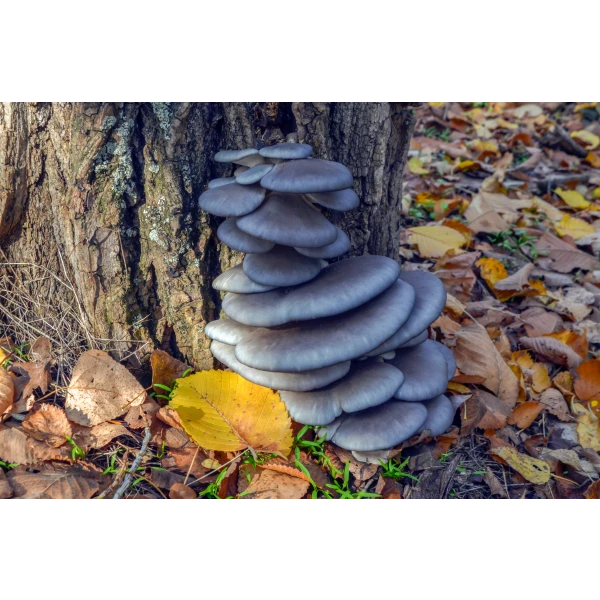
(5, 489)
(494, 484)
(166, 369)
(517, 281)
(471, 412)
(436, 240)
(48, 424)
(283, 466)
(36, 375)
(272, 485)
(539, 322)
(532, 469)
(556, 404)
(55, 483)
(553, 350)
(592, 493)
(553, 213)
(588, 427)
(222, 411)
(361, 471)
(101, 435)
(101, 389)
(476, 355)
(525, 414)
(170, 417)
(575, 341)
(587, 383)
(565, 257)
(495, 413)
(7, 391)
(179, 491)
(185, 459)
(41, 350)
(14, 447)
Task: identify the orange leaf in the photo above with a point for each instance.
(577, 342)
(525, 414)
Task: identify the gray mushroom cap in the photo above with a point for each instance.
(449, 356)
(229, 233)
(289, 220)
(215, 183)
(236, 281)
(378, 428)
(340, 246)
(425, 371)
(248, 157)
(295, 382)
(281, 267)
(227, 331)
(338, 288)
(393, 342)
(287, 150)
(307, 176)
(418, 339)
(253, 175)
(440, 414)
(232, 200)
(367, 385)
(341, 200)
(323, 342)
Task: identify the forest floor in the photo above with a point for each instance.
(502, 203)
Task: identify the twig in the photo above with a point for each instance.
(136, 463)
(219, 469)
(191, 465)
(116, 480)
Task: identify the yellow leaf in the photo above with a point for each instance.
(588, 427)
(553, 213)
(533, 469)
(596, 193)
(435, 241)
(576, 228)
(484, 146)
(528, 110)
(573, 198)
(540, 380)
(437, 104)
(506, 124)
(415, 165)
(222, 411)
(467, 165)
(593, 159)
(591, 140)
(584, 106)
(210, 463)
(458, 387)
(491, 270)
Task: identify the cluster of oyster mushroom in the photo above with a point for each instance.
(345, 343)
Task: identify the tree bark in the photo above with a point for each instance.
(106, 194)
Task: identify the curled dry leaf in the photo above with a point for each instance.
(101, 389)
(55, 483)
(533, 469)
(555, 402)
(179, 491)
(7, 391)
(48, 424)
(593, 492)
(272, 485)
(31, 376)
(166, 369)
(476, 355)
(553, 350)
(41, 350)
(523, 415)
(565, 257)
(495, 413)
(222, 411)
(14, 447)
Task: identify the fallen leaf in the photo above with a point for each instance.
(48, 424)
(272, 485)
(565, 258)
(415, 166)
(587, 383)
(55, 483)
(577, 342)
(553, 350)
(525, 414)
(492, 271)
(101, 389)
(166, 369)
(5, 489)
(101, 435)
(34, 375)
(7, 391)
(528, 110)
(436, 240)
(540, 379)
(14, 447)
(591, 140)
(532, 469)
(555, 402)
(495, 413)
(553, 213)
(476, 355)
(593, 492)
(588, 427)
(222, 411)
(41, 350)
(573, 227)
(517, 281)
(179, 491)
(573, 198)
(283, 466)
(539, 322)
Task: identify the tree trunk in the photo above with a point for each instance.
(104, 195)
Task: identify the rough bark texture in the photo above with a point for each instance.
(111, 190)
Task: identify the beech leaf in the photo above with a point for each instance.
(436, 240)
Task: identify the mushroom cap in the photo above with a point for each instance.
(215, 183)
(280, 267)
(418, 339)
(449, 356)
(296, 382)
(338, 288)
(307, 175)
(341, 200)
(227, 331)
(229, 233)
(440, 414)
(232, 199)
(392, 343)
(340, 246)
(425, 371)
(289, 220)
(248, 157)
(287, 150)
(236, 281)
(322, 342)
(239, 171)
(378, 428)
(253, 175)
(367, 385)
